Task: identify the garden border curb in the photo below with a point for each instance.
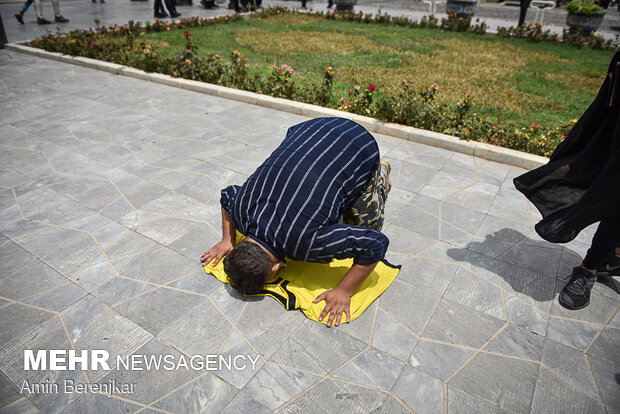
(435, 139)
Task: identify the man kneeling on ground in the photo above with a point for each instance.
(319, 196)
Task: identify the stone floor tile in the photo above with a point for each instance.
(494, 228)
(117, 209)
(571, 333)
(205, 394)
(392, 338)
(117, 335)
(41, 277)
(274, 385)
(194, 243)
(412, 218)
(137, 218)
(606, 375)
(199, 332)
(231, 302)
(481, 265)
(73, 257)
(460, 325)
(94, 194)
(525, 316)
(167, 229)
(476, 293)
(9, 393)
(143, 193)
(55, 402)
(553, 395)
(464, 403)
(443, 251)
(569, 363)
(316, 348)
(517, 342)
(242, 372)
(130, 251)
(406, 241)
(421, 392)
(105, 231)
(426, 204)
(242, 404)
(477, 201)
(439, 360)
(152, 384)
(335, 396)
(104, 404)
(532, 288)
(453, 235)
(489, 246)
(428, 274)
(119, 289)
(410, 305)
(13, 257)
(606, 346)
(461, 217)
(197, 282)
(82, 315)
(58, 298)
(372, 368)
(50, 207)
(265, 323)
(535, 259)
(511, 387)
(444, 180)
(156, 310)
(162, 266)
(22, 407)
(97, 274)
(49, 240)
(17, 319)
(362, 327)
(510, 208)
(413, 177)
(48, 334)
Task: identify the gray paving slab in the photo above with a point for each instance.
(511, 388)
(109, 240)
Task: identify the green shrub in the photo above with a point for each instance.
(583, 8)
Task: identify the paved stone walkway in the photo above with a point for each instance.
(109, 192)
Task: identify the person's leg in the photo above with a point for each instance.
(525, 4)
(25, 6)
(368, 209)
(38, 8)
(576, 294)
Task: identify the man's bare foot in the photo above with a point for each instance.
(386, 169)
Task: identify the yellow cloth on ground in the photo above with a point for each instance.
(299, 283)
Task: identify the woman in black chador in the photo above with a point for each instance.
(581, 185)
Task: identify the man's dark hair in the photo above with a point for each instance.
(247, 267)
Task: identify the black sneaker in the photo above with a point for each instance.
(19, 18)
(60, 19)
(576, 294)
(42, 20)
(611, 268)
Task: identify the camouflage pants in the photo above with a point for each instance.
(367, 211)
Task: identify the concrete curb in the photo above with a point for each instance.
(435, 139)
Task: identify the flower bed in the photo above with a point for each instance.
(405, 104)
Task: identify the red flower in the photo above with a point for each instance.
(509, 94)
(186, 33)
(371, 88)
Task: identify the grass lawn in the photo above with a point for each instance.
(510, 79)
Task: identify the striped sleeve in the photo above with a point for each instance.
(342, 241)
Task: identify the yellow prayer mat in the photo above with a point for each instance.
(299, 283)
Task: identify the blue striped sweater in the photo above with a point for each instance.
(293, 202)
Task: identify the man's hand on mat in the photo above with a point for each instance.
(216, 252)
(337, 302)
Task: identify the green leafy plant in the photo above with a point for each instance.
(583, 8)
